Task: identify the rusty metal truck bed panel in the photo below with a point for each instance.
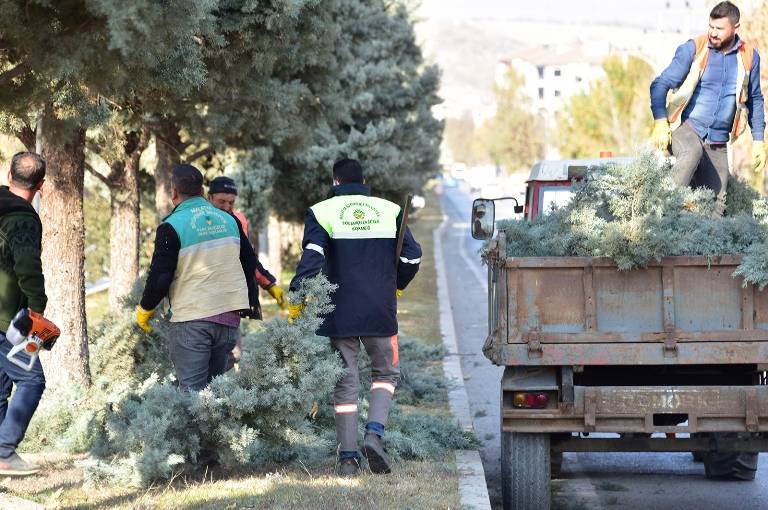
(583, 311)
(631, 409)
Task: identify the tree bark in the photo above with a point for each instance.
(63, 256)
(123, 182)
(169, 150)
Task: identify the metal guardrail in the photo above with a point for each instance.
(97, 286)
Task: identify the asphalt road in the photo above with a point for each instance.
(630, 481)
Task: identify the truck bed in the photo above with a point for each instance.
(583, 311)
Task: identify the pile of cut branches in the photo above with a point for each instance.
(634, 214)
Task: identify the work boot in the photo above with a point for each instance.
(374, 451)
(16, 466)
(348, 467)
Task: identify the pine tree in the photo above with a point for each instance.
(83, 59)
(377, 108)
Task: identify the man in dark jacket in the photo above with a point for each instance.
(204, 264)
(21, 286)
(352, 239)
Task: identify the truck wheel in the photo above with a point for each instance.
(698, 456)
(556, 460)
(730, 465)
(525, 471)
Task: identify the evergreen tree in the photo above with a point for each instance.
(70, 64)
(377, 108)
(121, 150)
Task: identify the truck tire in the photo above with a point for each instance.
(556, 461)
(525, 471)
(730, 465)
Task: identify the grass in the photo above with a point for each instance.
(96, 307)
(418, 309)
(413, 484)
(61, 487)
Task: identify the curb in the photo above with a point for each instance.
(473, 491)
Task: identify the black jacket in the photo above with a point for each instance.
(365, 269)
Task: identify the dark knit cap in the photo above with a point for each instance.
(187, 180)
(348, 171)
(222, 184)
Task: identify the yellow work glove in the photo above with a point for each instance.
(758, 156)
(294, 311)
(277, 292)
(398, 293)
(661, 137)
(142, 318)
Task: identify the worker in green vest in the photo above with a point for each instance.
(205, 266)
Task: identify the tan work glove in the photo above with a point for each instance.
(142, 318)
(277, 292)
(759, 156)
(661, 136)
(294, 311)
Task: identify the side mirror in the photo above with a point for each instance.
(519, 208)
(483, 218)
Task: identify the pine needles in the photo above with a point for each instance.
(139, 428)
(634, 214)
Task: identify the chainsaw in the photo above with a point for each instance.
(29, 332)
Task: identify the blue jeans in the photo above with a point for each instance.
(199, 351)
(15, 417)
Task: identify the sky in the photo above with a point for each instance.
(641, 14)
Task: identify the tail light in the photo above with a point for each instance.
(535, 400)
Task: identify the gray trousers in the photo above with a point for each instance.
(700, 164)
(385, 373)
(199, 351)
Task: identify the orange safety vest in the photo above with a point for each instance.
(244, 222)
(680, 98)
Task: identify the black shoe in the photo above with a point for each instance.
(374, 451)
(348, 467)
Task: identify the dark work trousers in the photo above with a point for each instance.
(15, 417)
(700, 164)
(199, 351)
(385, 373)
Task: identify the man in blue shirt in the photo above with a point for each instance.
(715, 81)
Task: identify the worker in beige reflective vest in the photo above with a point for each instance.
(715, 84)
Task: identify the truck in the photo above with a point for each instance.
(664, 358)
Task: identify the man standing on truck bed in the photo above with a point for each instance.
(716, 82)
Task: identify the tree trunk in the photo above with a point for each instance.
(169, 149)
(63, 256)
(124, 225)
